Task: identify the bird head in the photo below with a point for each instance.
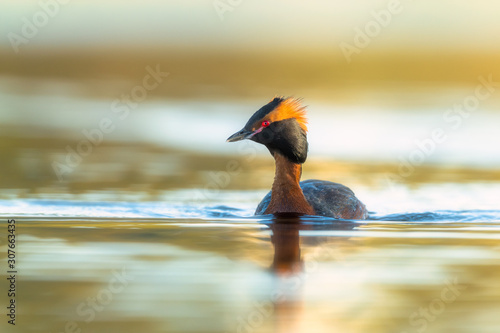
(281, 126)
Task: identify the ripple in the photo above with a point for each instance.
(70, 208)
(443, 216)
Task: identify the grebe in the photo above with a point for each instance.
(281, 126)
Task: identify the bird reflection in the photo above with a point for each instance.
(288, 266)
(286, 239)
(286, 242)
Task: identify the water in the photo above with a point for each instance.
(150, 233)
(95, 263)
(387, 133)
(238, 275)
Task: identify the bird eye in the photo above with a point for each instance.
(265, 123)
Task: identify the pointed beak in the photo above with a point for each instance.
(240, 135)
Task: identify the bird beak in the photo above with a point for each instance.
(240, 135)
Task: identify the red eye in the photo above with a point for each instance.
(265, 123)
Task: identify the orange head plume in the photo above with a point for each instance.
(289, 108)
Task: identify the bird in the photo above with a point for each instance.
(281, 126)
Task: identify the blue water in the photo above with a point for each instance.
(95, 209)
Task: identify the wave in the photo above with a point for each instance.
(70, 208)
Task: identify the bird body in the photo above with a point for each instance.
(326, 199)
(281, 126)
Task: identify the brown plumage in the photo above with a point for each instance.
(281, 126)
(287, 196)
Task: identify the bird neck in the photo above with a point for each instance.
(287, 196)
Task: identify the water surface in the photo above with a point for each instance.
(150, 232)
(212, 267)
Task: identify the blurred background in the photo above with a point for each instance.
(114, 117)
(379, 78)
